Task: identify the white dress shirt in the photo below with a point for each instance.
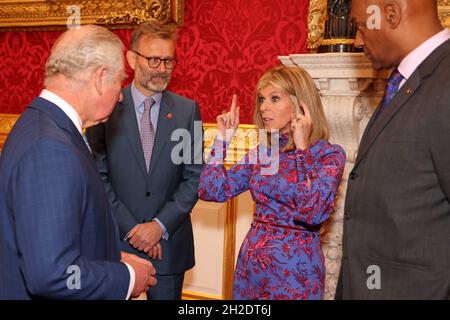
(410, 63)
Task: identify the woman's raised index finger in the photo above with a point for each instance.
(233, 109)
(234, 104)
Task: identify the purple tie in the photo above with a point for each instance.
(391, 89)
(147, 132)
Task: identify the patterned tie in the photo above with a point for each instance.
(86, 141)
(391, 89)
(147, 132)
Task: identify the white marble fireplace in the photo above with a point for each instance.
(350, 90)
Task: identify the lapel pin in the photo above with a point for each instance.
(169, 116)
(408, 91)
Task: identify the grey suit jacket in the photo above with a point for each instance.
(396, 241)
(168, 192)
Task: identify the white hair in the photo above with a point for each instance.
(79, 52)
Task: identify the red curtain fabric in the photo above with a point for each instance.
(223, 48)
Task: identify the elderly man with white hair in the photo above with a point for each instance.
(57, 236)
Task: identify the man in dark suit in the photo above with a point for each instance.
(397, 210)
(57, 236)
(152, 178)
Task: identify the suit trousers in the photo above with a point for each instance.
(168, 287)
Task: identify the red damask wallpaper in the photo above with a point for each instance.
(224, 47)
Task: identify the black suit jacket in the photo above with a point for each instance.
(169, 191)
(397, 209)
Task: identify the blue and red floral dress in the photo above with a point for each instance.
(281, 255)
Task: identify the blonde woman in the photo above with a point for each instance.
(281, 256)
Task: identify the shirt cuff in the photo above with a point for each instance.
(303, 172)
(128, 233)
(165, 235)
(132, 280)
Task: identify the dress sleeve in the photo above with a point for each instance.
(324, 168)
(218, 184)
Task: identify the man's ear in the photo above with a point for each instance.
(393, 13)
(131, 58)
(100, 79)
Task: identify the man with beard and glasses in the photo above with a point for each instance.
(152, 194)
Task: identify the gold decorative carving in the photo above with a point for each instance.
(318, 14)
(327, 42)
(56, 14)
(7, 121)
(444, 12)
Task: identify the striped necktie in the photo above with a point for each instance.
(147, 132)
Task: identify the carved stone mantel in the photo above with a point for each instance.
(350, 91)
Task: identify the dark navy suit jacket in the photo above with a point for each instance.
(169, 190)
(56, 229)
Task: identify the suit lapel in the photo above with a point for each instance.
(127, 116)
(164, 130)
(63, 121)
(376, 126)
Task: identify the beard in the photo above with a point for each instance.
(153, 81)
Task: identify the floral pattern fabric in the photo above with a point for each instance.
(281, 255)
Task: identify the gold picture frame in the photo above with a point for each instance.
(7, 121)
(58, 14)
(317, 16)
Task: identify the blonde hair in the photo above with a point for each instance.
(153, 29)
(300, 87)
(83, 50)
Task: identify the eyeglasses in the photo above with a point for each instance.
(154, 62)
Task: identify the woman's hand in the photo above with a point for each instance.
(301, 127)
(227, 123)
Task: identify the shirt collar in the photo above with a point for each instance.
(410, 63)
(64, 106)
(139, 97)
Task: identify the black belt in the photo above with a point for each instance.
(298, 225)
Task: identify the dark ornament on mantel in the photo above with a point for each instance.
(340, 31)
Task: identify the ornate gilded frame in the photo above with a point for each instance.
(318, 14)
(57, 14)
(7, 121)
